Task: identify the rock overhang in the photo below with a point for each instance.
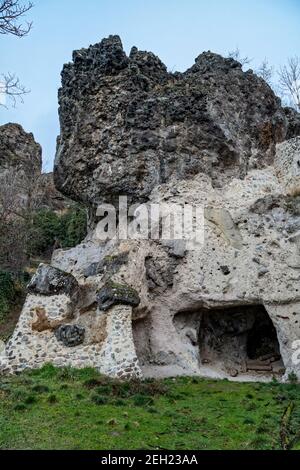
(141, 125)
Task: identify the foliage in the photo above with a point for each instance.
(7, 293)
(49, 230)
(73, 227)
(45, 229)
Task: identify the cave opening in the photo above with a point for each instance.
(235, 340)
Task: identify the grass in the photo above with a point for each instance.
(80, 409)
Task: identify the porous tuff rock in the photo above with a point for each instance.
(52, 281)
(140, 125)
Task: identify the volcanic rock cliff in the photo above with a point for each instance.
(215, 138)
(127, 124)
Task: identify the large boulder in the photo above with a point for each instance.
(127, 124)
(52, 281)
(113, 293)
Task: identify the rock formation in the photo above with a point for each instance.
(127, 124)
(213, 137)
(19, 150)
(21, 165)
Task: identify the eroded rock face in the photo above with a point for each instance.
(21, 166)
(213, 137)
(19, 150)
(140, 125)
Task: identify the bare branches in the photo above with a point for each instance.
(289, 81)
(236, 55)
(265, 71)
(11, 88)
(11, 15)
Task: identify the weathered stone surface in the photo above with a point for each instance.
(223, 220)
(21, 158)
(109, 265)
(70, 335)
(288, 165)
(140, 125)
(19, 150)
(113, 293)
(52, 281)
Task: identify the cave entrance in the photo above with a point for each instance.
(239, 340)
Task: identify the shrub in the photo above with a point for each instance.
(98, 399)
(73, 227)
(49, 229)
(7, 294)
(43, 232)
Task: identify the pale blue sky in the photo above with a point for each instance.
(176, 30)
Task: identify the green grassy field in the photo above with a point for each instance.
(71, 409)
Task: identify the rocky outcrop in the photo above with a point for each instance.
(214, 138)
(141, 125)
(19, 150)
(21, 166)
(49, 196)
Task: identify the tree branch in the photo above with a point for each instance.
(11, 87)
(11, 15)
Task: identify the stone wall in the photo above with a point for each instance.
(51, 329)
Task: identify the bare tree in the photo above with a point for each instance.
(11, 16)
(289, 81)
(11, 22)
(20, 197)
(265, 71)
(11, 89)
(236, 55)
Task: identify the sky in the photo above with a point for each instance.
(175, 30)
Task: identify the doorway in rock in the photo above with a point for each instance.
(239, 340)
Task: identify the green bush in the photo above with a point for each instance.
(73, 227)
(7, 293)
(49, 229)
(43, 232)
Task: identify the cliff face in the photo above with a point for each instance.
(215, 138)
(21, 157)
(127, 124)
